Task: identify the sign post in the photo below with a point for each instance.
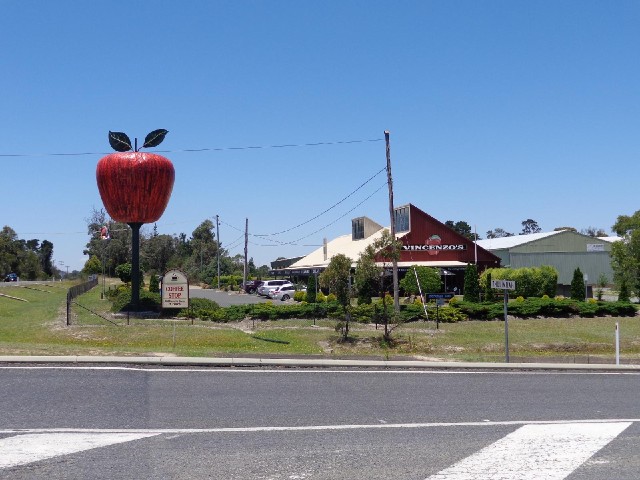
(505, 285)
(175, 290)
(439, 298)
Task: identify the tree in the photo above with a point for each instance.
(116, 250)
(530, 226)
(158, 252)
(28, 259)
(204, 248)
(154, 284)
(428, 277)
(625, 254)
(471, 284)
(262, 271)
(623, 294)
(123, 271)
(577, 286)
(311, 289)
(594, 232)
(336, 278)
(498, 233)
(463, 228)
(603, 281)
(367, 275)
(46, 257)
(489, 293)
(93, 265)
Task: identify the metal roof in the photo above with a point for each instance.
(344, 245)
(503, 243)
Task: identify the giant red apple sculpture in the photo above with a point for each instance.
(135, 188)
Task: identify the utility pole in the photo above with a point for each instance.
(394, 261)
(218, 249)
(246, 241)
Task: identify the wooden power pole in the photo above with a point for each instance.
(394, 261)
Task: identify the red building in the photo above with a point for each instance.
(425, 242)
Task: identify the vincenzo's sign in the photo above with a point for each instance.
(434, 245)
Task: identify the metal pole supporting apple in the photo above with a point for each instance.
(135, 264)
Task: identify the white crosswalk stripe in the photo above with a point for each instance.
(28, 448)
(535, 452)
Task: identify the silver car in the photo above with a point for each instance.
(283, 293)
(271, 285)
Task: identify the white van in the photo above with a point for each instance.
(270, 285)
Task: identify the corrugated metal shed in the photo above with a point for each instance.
(565, 250)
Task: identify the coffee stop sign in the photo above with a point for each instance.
(175, 290)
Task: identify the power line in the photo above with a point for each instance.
(340, 217)
(323, 212)
(196, 150)
(264, 235)
(294, 242)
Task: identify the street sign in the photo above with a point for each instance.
(503, 284)
(175, 290)
(436, 296)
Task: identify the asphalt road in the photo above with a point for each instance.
(225, 299)
(148, 423)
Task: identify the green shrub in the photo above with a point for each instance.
(263, 311)
(577, 286)
(149, 301)
(471, 284)
(545, 307)
(154, 285)
(311, 289)
(300, 296)
(448, 314)
(530, 281)
(235, 313)
(364, 313)
(201, 308)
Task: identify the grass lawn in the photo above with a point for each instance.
(37, 326)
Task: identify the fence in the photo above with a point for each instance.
(77, 290)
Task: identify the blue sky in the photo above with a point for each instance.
(499, 111)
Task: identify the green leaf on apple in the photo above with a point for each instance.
(155, 138)
(119, 141)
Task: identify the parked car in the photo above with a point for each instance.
(12, 277)
(271, 284)
(284, 292)
(252, 285)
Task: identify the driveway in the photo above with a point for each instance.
(225, 299)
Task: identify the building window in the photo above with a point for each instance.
(402, 219)
(357, 228)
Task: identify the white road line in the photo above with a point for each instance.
(23, 449)
(484, 423)
(215, 370)
(535, 452)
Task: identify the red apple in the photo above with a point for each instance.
(135, 187)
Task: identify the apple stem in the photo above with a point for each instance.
(135, 148)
